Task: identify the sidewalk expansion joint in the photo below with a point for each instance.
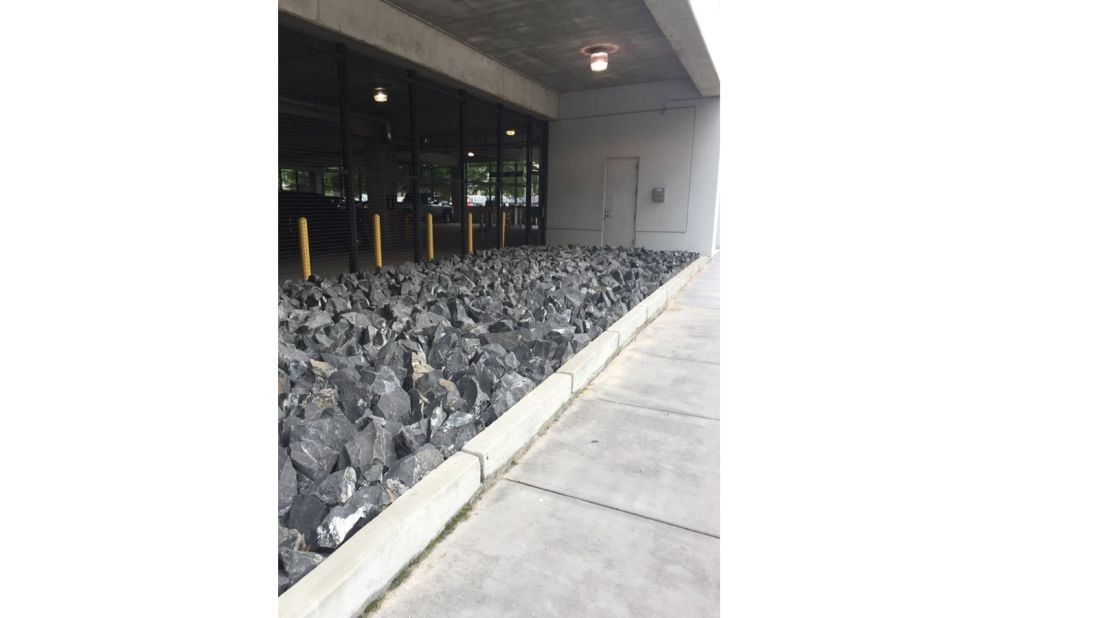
(613, 508)
(650, 408)
(675, 358)
(686, 304)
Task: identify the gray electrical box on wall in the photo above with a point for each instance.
(658, 194)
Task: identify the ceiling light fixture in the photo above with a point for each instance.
(510, 132)
(599, 61)
(469, 154)
(599, 56)
(380, 95)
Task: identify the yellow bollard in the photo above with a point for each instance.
(503, 229)
(303, 235)
(430, 239)
(377, 240)
(469, 233)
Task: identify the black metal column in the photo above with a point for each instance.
(460, 206)
(530, 166)
(414, 172)
(345, 168)
(499, 165)
(543, 181)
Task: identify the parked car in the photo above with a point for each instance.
(507, 203)
(441, 210)
(446, 207)
(327, 216)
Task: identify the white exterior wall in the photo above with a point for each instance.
(673, 133)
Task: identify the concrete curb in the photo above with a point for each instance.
(516, 429)
(654, 304)
(628, 325)
(588, 362)
(676, 284)
(346, 582)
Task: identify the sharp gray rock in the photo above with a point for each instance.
(472, 392)
(284, 580)
(485, 377)
(369, 448)
(443, 345)
(305, 485)
(412, 437)
(469, 346)
(288, 486)
(314, 459)
(511, 388)
(355, 396)
(294, 362)
(315, 444)
(284, 384)
(418, 366)
(337, 487)
(322, 368)
(383, 375)
(290, 538)
(298, 563)
(394, 357)
(305, 514)
(319, 402)
(395, 407)
(431, 391)
(453, 434)
(413, 467)
(341, 520)
(384, 380)
(426, 320)
(357, 320)
(374, 473)
(438, 417)
(316, 320)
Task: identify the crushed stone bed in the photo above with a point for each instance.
(384, 375)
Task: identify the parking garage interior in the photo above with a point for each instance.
(365, 140)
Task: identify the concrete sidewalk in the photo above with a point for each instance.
(614, 511)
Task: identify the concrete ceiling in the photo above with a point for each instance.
(677, 20)
(307, 77)
(542, 40)
(309, 122)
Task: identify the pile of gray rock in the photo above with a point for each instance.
(383, 375)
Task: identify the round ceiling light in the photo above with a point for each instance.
(380, 95)
(510, 132)
(599, 61)
(469, 154)
(599, 56)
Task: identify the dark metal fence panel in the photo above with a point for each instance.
(528, 188)
(361, 141)
(543, 180)
(515, 138)
(461, 203)
(309, 154)
(481, 171)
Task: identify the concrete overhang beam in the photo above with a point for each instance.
(394, 32)
(677, 22)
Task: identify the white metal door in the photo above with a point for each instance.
(620, 202)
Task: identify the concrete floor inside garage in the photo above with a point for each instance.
(614, 510)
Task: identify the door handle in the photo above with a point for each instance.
(607, 214)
